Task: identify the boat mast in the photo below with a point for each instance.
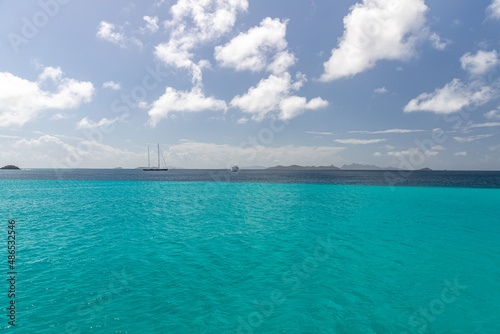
(158, 155)
(148, 158)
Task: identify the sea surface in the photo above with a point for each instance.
(209, 251)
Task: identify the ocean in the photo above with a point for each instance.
(209, 251)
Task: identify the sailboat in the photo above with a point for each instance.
(155, 169)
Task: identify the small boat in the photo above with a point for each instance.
(235, 168)
(155, 169)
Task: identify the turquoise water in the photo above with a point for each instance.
(205, 257)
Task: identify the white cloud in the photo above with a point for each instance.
(106, 31)
(460, 154)
(260, 47)
(452, 97)
(211, 155)
(376, 30)
(377, 154)
(494, 9)
(480, 63)
(22, 100)
(484, 125)
(275, 94)
(182, 101)
(52, 73)
(320, 133)
(281, 62)
(389, 131)
(493, 114)
(437, 43)
(58, 116)
(112, 85)
(471, 138)
(413, 152)
(85, 123)
(9, 137)
(52, 151)
(359, 141)
(381, 90)
(193, 24)
(293, 106)
(151, 24)
(242, 120)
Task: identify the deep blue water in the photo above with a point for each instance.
(474, 179)
(114, 251)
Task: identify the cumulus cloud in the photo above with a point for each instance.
(375, 30)
(107, 31)
(85, 123)
(274, 94)
(22, 100)
(193, 24)
(292, 106)
(112, 85)
(359, 141)
(452, 97)
(114, 34)
(471, 138)
(151, 24)
(460, 154)
(494, 9)
(182, 101)
(456, 94)
(493, 114)
(480, 63)
(437, 43)
(259, 48)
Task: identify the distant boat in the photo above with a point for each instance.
(235, 168)
(155, 169)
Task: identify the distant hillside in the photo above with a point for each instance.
(297, 167)
(355, 166)
(10, 167)
(253, 167)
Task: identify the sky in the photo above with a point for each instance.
(407, 84)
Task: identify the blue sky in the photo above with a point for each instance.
(409, 84)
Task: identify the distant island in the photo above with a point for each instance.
(352, 166)
(297, 167)
(253, 167)
(355, 166)
(10, 167)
